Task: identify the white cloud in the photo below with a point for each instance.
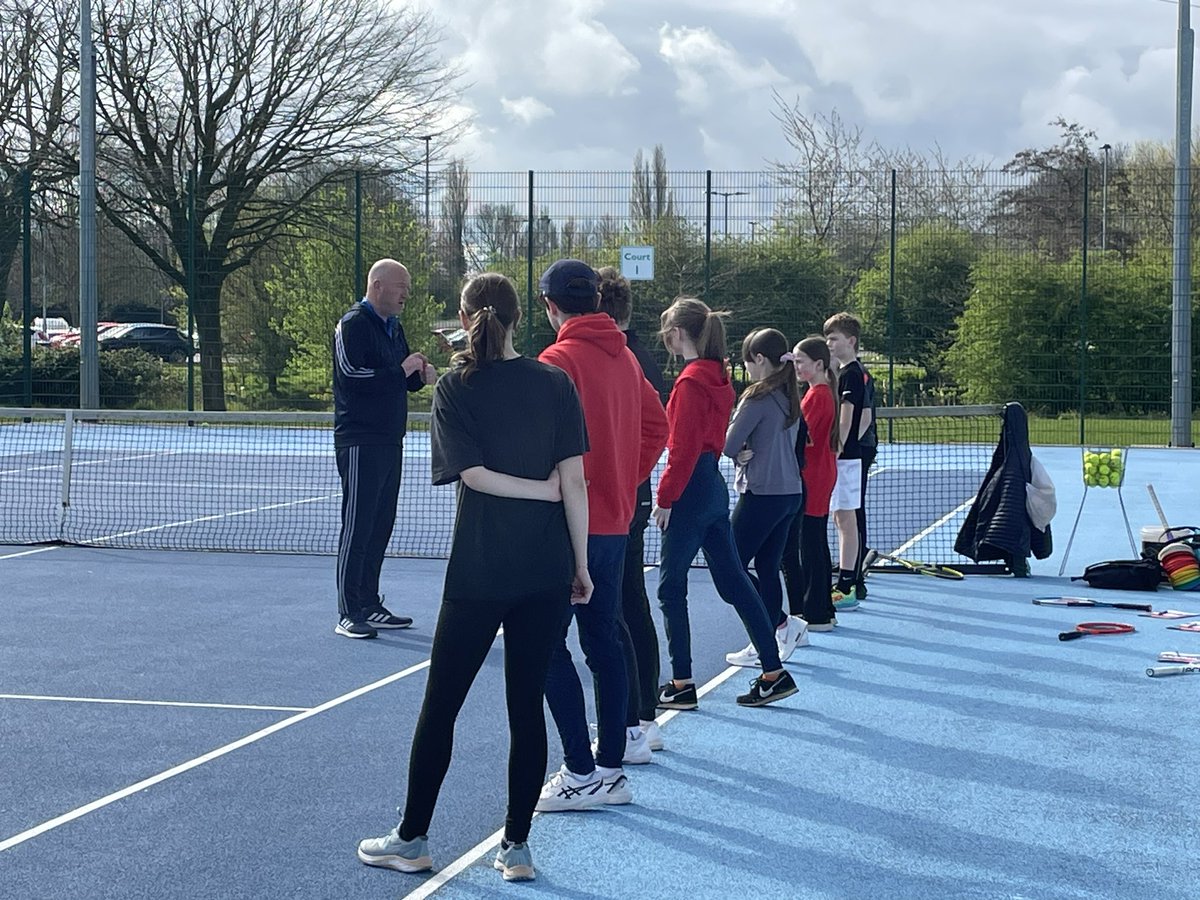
(708, 67)
(525, 110)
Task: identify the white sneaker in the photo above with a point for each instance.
(654, 736)
(616, 789)
(567, 791)
(637, 748)
(793, 634)
(747, 657)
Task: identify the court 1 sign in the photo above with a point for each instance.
(637, 263)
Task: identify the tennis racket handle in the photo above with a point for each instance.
(1161, 671)
(1070, 635)
(1140, 607)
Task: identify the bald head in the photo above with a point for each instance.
(388, 284)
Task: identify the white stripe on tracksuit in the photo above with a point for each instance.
(348, 524)
(343, 361)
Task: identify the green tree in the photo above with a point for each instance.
(933, 282)
(314, 284)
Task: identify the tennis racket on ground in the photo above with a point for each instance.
(1179, 659)
(933, 570)
(1088, 601)
(1085, 628)
(1161, 671)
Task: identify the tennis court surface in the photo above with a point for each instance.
(177, 723)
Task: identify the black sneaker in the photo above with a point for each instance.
(382, 618)
(763, 692)
(671, 697)
(351, 629)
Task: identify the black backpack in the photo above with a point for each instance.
(1123, 575)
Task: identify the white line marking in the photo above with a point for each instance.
(210, 518)
(145, 783)
(91, 462)
(464, 862)
(30, 552)
(916, 539)
(154, 702)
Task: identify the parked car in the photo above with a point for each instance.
(163, 341)
(74, 336)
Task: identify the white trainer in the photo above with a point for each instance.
(637, 747)
(654, 735)
(747, 657)
(616, 789)
(793, 634)
(567, 791)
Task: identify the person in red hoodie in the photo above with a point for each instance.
(693, 508)
(627, 430)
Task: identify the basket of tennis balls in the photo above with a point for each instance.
(1104, 468)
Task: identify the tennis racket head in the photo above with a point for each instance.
(1086, 628)
(937, 571)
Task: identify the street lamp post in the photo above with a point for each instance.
(752, 224)
(427, 138)
(727, 195)
(1107, 148)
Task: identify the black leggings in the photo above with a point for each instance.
(464, 635)
(808, 569)
(638, 634)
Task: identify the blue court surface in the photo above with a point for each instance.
(185, 724)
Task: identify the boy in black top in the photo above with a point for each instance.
(373, 370)
(856, 421)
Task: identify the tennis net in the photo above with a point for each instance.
(268, 482)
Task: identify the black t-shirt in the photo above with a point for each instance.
(519, 417)
(857, 387)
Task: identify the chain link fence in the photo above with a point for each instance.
(1053, 289)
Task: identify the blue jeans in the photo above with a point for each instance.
(700, 521)
(600, 637)
(760, 531)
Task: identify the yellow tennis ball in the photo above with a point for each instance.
(1116, 454)
(1104, 469)
(1102, 481)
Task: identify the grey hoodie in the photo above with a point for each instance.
(759, 425)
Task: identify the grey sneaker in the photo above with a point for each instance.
(392, 852)
(514, 861)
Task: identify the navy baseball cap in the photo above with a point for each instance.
(570, 280)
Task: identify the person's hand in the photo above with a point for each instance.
(429, 373)
(744, 456)
(661, 517)
(414, 362)
(554, 486)
(581, 587)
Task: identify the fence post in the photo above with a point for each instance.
(358, 255)
(190, 280)
(892, 306)
(1083, 314)
(529, 348)
(27, 284)
(707, 231)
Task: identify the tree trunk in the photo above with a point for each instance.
(206, 307)
(10, 240)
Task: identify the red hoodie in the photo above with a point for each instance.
(698, 413)
(626, 425)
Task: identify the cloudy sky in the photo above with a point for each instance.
(582, 84)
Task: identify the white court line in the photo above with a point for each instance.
(30, 552)
(899, 551)
(145, 783)
(91, 462)
(464, 862)
(154, 703)
(211, 518)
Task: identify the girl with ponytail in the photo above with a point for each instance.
(693, 508)
(807, 568)
(511, 430)
(762, 440)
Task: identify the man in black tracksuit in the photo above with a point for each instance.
(373, 371)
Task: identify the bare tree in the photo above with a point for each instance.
(37, 88)
(456, 200)
(650, 199)
(259, 103)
